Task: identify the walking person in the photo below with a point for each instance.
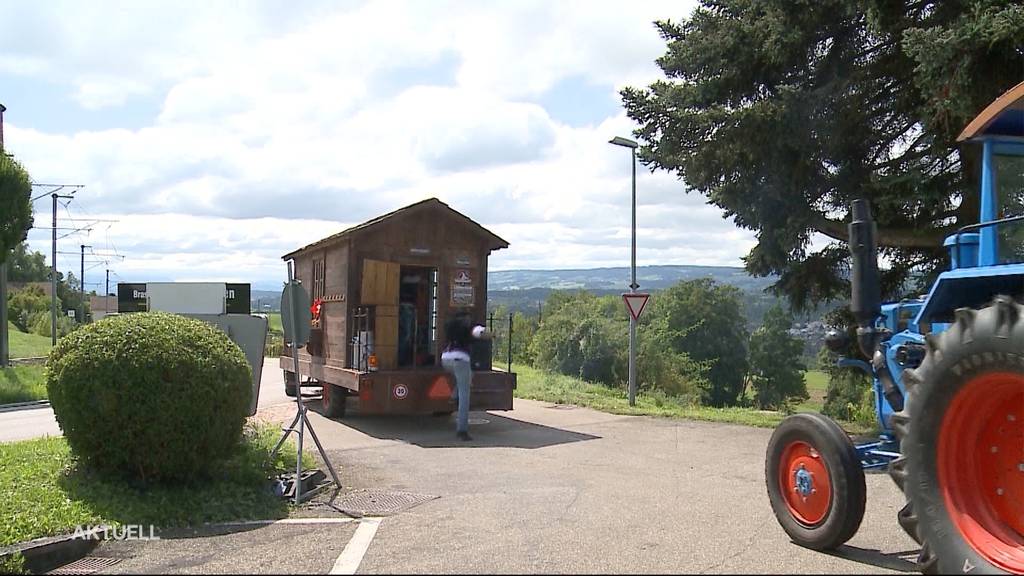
(460, 332)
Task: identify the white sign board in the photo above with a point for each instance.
(187, 297)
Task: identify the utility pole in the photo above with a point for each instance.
(106, 295)
(53, 267)
(81, 281)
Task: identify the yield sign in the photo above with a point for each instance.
(635, 303)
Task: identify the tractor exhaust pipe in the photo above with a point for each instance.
(865, 298)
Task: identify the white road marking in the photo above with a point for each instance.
(350, 558)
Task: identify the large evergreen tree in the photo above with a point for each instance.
(781, 112)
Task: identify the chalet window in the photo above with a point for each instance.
(319, 268)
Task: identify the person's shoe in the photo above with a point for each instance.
(464, 436)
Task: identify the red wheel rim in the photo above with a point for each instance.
(981, 466)
(804, 483)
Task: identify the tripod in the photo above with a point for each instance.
(295, 307)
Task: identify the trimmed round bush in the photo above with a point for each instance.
(150, 395)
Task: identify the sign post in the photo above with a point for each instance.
(295, 319)
(635, 303)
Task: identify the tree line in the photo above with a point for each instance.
(28, 309)
(693, 343)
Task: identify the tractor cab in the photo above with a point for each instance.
(987, 258)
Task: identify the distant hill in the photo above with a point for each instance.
(261, 297)
(617, 279)
(526, 290)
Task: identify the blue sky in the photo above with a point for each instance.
(218, 139)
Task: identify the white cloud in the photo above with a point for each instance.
(106, 92)
(272, 132)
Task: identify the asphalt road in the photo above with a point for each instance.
(36, 422)
(546, 488)
(311, 549)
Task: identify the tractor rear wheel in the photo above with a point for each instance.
(815, 481)
(962, 444)
(332, 400)
(290, 388)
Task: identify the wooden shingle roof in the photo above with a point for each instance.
(495, 241)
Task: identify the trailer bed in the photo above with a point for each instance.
(424, 390)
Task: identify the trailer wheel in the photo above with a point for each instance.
(332, 400)
(815, 481)
(962, 444)
(289, 384)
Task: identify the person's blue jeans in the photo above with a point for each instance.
(463, 373)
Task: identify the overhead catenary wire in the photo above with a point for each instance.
(90, 227)
(73, 232)
(84, 209)
(55, 188)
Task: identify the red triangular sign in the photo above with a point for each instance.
(635, 303)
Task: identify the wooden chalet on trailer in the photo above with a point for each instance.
(385, 288)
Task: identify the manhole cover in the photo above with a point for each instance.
(475, 421)
(87, 565)
(379, 502)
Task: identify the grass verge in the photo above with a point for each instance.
(24, 345)
(817, 388)
(534, 384)
(43, 491)
(22, 384)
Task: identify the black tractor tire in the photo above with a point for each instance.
(290, 388)
(980, 344)
(833, 446)
(333, 400)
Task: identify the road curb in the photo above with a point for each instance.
(24, 405)
(30, 361)
(45, 554)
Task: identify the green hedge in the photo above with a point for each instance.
(153, 396)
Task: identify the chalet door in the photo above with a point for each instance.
(380, 290)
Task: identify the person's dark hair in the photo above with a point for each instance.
(458, 330)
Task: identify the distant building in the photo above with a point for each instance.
(100, 306)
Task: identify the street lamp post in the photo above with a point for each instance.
(631, 144)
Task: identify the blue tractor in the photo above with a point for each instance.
(948, 379)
